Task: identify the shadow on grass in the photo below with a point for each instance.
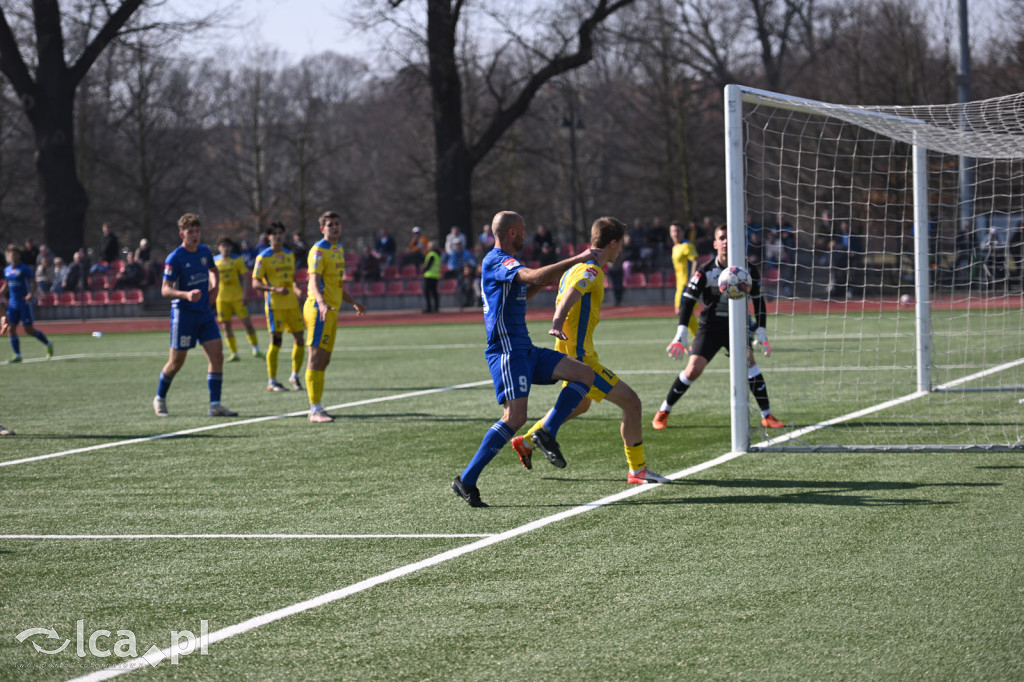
(1000, 466)
(829, 493)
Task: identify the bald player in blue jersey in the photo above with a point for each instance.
(190, 278)
(515, 363)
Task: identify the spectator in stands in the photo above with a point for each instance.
(110, 247)
(44, 250)
(455, 259)
(841, 247)
(772, 250)
(630, 258)
(369, 266)
(59, 271)
(77, 276)
(637, 235)
(660, 242)
(543, 236)
(248, 254)
(416, 250)
(615, 276)
(455, 237)
(431, 274)
(1015, 244)
(469, 290)
(547, 255)
(963, 252)
(992, 259)
(29, 253)
(299, 249)
(133, 276)
(143, 254)
(386, 247)
(44, 275)
(485, 242)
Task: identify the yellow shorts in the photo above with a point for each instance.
(288, 320)
(319, 333)
(225, 309)
(604, 380)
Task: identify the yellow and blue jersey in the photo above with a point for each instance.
(327, 261)
(684, 256)
(277, 270)
(231, 270)
(585, 314)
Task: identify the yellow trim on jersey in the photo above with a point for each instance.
(327, 261)
(231, 270)
(585, 314)
(277, 270)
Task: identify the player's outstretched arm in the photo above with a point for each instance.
(680, 345)
(541, 277)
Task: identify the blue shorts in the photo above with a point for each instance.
(513, 374)
(21, 314)
(189, 326)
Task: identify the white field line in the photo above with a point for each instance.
(890, 403)
(242, 422)
(152, 658)
(252, 536)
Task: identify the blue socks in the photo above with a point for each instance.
(163, 386)
(213, 382)
(42, 338)
(568, 400)
(496, 438)
(16, 344)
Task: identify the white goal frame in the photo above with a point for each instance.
(923, 134)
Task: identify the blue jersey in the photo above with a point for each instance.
(504, 303)
(19, 283)
(187, 271)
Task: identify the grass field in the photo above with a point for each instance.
(861, 566)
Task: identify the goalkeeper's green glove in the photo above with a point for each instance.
(680, 345)
(762, 339)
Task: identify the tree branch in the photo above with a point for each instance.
(11, 62)
(108, 32)
(504, 118)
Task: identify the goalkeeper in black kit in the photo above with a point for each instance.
(713, 333)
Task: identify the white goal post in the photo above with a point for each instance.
(895, 288)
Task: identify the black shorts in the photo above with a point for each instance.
(711, 338)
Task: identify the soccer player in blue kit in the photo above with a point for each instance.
(190, 277)
(20, 284)
(515, 362)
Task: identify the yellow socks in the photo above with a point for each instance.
(635, 456)
(298, 353)
(253, 340)
(314, 385)
(232, 344)
(272, 354)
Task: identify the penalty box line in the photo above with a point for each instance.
(242, 422)
(153, 658)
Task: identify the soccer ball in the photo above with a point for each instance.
(734, 282)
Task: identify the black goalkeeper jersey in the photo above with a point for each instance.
(703, 287)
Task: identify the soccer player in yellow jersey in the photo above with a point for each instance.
(274, 274)
(684, 257)
(326, 270)
(231, 297)
(577, 313)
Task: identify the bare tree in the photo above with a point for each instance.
(456, 152)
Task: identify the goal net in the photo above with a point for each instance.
(889, 241)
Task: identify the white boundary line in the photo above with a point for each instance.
(242, 422)
(250, 536)
(153, 658)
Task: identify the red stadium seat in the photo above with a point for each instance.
(670, 280)
(354, 288)
(97, 298)
(351, 259)
(655, 279)
(302, 276)
(48, 299)
(409, 271)
(117, 296)
(97, 282)
(413, 286)
(391, 272)
(68, 298)
(116, 268)
(636, 280)
(448, 286)
(133, 296)
(377, 289)
(395, 288)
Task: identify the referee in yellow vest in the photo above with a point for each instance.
(431, 273)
